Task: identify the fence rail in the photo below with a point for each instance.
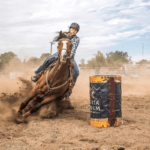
(129, 70)
(134, 71)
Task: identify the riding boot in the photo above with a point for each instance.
(67, 97)
(36, 77)
(68, 101)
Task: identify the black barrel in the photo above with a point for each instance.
(105, 101)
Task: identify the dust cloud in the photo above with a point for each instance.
(10, 83)
(130, 86)
(71, 128)
(15, 85)
(135, 86)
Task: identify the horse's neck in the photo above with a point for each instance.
(63, 66)
(61, 71)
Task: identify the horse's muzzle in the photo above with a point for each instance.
(63, 58)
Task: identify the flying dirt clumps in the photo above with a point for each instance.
(9, 101)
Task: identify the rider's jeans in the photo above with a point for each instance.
(54, 57)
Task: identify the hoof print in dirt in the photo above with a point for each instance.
(20, 119)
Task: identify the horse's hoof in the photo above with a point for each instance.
(26, 114)
(20, 119)
(19, 112)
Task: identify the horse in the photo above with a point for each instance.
(56, 80)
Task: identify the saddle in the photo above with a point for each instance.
(71, 82)
(46, 69)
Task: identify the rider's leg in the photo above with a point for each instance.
(46, 63)
(75, 76)
(76, 72)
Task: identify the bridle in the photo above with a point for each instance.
(57, 87)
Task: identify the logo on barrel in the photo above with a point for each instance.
(94, 104)
(92, 92)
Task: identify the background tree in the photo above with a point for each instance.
(97, 61)
(82, 61)
(6, 57)
(143, 61)
(113, 59)
(9, 62)
(1, 65)
(44, 56)
(117, 58)
(33, 61)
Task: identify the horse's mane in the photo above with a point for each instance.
(60, 36)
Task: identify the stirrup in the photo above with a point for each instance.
(67, 97)
(34, 78)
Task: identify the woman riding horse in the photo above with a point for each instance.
(73, 29)
(53, 84)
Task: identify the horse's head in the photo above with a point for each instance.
(64, 49)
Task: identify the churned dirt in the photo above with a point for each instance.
(70, 130)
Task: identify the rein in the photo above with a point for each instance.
(54, 88)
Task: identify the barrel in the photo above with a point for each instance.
(105, 101)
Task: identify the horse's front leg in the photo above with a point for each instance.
(29, 98)
(35, 108)
(24, 104)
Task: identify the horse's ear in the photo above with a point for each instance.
(60, 33)
(57, 38)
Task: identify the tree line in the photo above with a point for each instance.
(8, 56)
(112, 59)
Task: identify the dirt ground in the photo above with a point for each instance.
(71, 130)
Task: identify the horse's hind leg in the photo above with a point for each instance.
(38, 106)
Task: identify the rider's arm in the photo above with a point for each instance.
(75, 43)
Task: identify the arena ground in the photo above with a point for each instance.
(71, 130)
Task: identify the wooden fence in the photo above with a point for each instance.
(134, 71)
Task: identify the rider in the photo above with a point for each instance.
(73, 29)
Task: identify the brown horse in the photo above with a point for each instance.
(55, 82)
